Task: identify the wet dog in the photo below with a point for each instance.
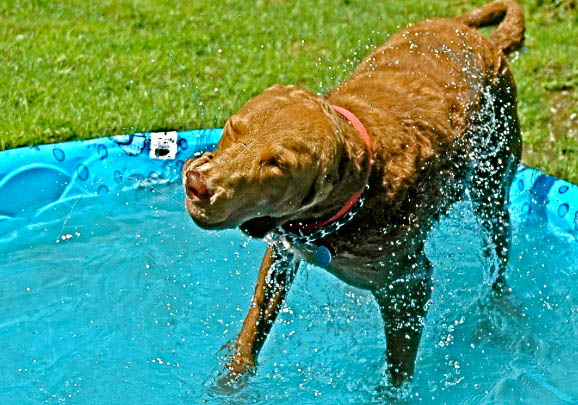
(353, 181)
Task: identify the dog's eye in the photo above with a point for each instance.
(273, 161)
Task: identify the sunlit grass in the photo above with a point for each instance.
(76, 70)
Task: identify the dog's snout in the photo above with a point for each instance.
(196, 186)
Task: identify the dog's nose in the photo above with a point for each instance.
(196, 187)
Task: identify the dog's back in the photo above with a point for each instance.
(422, 91)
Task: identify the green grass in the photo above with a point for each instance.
(77, 69)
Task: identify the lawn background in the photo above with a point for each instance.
(72, 69)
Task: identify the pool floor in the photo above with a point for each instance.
(122, 298)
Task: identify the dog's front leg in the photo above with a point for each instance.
(275, 277)
(403, 306)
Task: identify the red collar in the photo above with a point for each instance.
(356, 123)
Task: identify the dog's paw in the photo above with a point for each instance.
(233, 372)
(386, 391)
(228, 384)
(230, 380)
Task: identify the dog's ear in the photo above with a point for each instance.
(237, 126)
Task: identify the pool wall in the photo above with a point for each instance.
(36, 179)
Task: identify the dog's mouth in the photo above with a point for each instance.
(261, 226)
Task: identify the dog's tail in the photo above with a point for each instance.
(509, 34)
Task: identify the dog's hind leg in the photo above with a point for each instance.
(493, 171)
(275, 277)
(490, 208)
(403, 305)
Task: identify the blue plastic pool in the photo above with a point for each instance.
(110, 294)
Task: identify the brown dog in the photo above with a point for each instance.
(355, 180)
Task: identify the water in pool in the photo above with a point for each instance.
(122, 299)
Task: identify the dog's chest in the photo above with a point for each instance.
(371, 250)
(365, 259)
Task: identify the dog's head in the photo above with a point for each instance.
(278, 157)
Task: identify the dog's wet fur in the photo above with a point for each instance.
(438, 101)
